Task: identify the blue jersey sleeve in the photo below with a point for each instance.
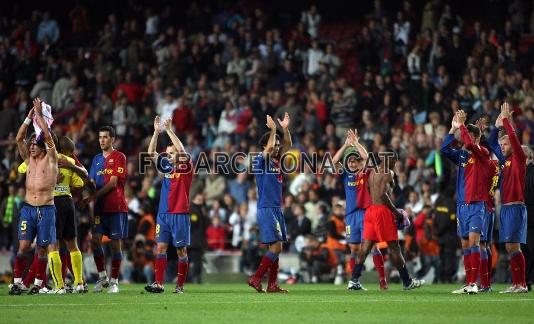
(448, 151)
(493, 143)
(93, 170)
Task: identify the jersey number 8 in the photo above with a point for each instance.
(97, 220)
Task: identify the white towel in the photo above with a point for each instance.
(47, 116)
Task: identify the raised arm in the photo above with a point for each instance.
(272, 137)
(154, 140)
(21, 135)
(517, 150)
(493, 142)
(287, 135)
(174, 139)
(480, 152)
(49, 142)
(339, 154)
(446, 147)
(359, 147)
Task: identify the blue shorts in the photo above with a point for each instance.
(174, 228)
(513, 221)
(113, 225)
(272, 225)
(354, 226)
(487, 227)
(38, 221)
(470, 218)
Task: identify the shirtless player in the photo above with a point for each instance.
(38, 214)
(380, 222)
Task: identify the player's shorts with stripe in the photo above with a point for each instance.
(470, 218)
(272, 225)
(513, 224)
(487, 226)
(354, 226)
(113, 225)
(66, 223)
(174, 228)
(379, 224)
(38, 221)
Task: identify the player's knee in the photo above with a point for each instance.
(394, 246)
(161, 249)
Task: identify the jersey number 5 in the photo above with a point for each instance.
(23, 225)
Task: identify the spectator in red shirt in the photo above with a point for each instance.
(216, 234)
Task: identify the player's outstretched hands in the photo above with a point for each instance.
(505, 110)
(270, 123)
(38, 108)
(167, 124)
(482, 124)
(462, 117)
(284, 123)
(31, 113)
(157, 124)
(455, 124)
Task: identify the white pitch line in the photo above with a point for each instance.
(272, 302)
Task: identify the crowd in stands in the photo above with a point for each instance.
(397, 75)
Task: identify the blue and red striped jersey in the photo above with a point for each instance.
(268, 182)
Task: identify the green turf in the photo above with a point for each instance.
(233, 303)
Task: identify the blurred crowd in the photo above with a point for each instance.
(397, 76)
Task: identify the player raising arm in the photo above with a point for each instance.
(271, 221)
(380, 223)
(173, 221)
(513, 216)
(38, 214)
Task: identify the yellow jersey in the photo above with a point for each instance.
(69, 179)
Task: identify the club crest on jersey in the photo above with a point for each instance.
(507, 163)
(175, 175)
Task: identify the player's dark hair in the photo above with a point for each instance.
(474, 130)
(40, 142)
(109, 129)
(390, 153)
(265, 138)
(66, 144)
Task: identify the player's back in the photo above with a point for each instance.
(378, 184)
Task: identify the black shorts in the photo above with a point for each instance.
(66, 223)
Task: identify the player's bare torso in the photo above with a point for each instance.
(40, 181)
(380, 182)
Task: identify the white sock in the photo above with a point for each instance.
(102, 274)
(114, 281)
(38, 282)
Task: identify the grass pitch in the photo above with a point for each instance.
(235, 303)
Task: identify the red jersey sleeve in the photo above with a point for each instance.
(517, 150)
(119, 167)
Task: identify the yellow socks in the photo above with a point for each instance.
(76, 261)
(54, 263)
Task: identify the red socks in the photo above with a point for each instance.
(475, 264)
(183, 266)
(41, 268)
(517, 267)
(31, 272)
(467, 265)
(378, 260)
(484, 272)
(116, 265)
(98, 255)
(64, 255)
(159, 268)
(20, 264)
(265, 264)
(273, 273)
